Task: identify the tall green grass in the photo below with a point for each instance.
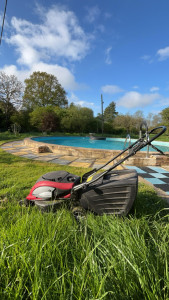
(51, 256)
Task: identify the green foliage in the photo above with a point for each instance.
(77, 119)
(108, 128)
(110, 112)
(10, 95)
(131, 123)
(124, 121)
(165, 117)
(21, 118)
(45, 119)
(43, 89)
(165, 114)
(138, 118)
(2, 119)
(154, 120)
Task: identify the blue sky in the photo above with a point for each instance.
(119, 48)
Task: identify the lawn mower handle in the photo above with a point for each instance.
(158, 134)
(135, 147)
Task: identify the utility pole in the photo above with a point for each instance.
(102, 113)
(3, 21)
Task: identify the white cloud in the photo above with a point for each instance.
(64, 76)
(59, 36)
(163, 53)
(12, 70)
(146, 57)
(107, 58)
(92, 14)
(73, 98)
(135, 99)
(163, 102)
(111, 89)
(107, 15)
(154, 89)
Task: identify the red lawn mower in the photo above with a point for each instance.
(107, 192)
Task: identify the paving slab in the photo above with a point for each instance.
(17, 145)
(11, 150)
(86, 160)
(96, 166)
(17, 142)
(120, 167)
(100, 162)
(18, 149)
(70, 158)
(60, 161)
(80, 164)
(31, 156)
(43, 158)
(20, 153)
(6, 146)
(157, 176)
(32, 150)
(50, 156)
(21, 148)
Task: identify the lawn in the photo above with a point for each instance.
(51, 256)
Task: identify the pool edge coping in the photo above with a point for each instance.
(87, 152)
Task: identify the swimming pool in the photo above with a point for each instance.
(86, 142)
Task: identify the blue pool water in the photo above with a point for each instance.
(86, 142)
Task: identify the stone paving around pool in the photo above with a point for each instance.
(20, 149)
(157, 176)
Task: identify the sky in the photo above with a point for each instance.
(117, 48)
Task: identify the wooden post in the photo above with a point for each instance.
(102, 113)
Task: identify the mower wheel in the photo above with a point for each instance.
(79, 213)
(21, 202)
(26, 203)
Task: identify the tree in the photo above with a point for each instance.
(2, 119)
(21, 118)
(45, 119)
(77, 119)
(153, 120)
(110, 112)
(10, 95)
(165, 117)
(138, 118)
(125, 121)
(157, 120)
(43, 89)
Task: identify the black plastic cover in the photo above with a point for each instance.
(60, 176)
(112, 194)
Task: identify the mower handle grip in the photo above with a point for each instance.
(158, 134)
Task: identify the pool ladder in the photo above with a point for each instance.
(144, 123)
(125, 142)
